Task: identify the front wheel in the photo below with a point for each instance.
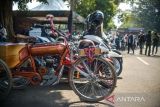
(5, 80)
(92, 80)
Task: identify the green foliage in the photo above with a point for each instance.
(111, 25)
(129, 20)
(108, 7)
(147, 13)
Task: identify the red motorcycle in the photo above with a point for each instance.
(91, 77)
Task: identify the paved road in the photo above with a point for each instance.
(137, 86)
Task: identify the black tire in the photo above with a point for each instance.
(119, 61)
(104, 84)
(5, 80)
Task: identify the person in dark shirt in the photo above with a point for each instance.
(141, 39)
(148, 43)
(130, 43)
(117, 42)
(155, 43)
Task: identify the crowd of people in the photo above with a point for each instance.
(131, 42)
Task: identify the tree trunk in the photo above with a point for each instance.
(6, 17)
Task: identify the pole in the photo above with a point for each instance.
(70, 18)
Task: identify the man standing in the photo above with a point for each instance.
(141, 39)
(130, 43)
(148, 43)
(117, 42)
(155, 43)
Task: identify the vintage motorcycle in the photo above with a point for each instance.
(91, 77)
(95, 33)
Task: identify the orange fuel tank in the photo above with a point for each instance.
(47, 49)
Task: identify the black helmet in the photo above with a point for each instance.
(96, 18)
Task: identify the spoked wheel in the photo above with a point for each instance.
(5, 80)
(92, 80)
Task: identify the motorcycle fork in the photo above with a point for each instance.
(63, 62)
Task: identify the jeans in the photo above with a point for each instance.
(148, 45)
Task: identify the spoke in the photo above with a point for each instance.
(86, 67)
(85, 88)
(103, 67)
(80, 86)
(95, 66)
(94, 89)
(102, 90)
(81, 72)
(3, 85)
(99, 89)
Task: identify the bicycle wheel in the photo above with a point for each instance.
(5, 80)
(92, 80)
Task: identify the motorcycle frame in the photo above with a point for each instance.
(34, 76)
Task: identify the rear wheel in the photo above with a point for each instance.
(92, 80)
(5, 80)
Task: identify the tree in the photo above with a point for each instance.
(129, 20)
(6, 14)
(108, 7)
(147, 14)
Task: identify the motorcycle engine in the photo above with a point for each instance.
(49, 63)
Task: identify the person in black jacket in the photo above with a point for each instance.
(130, 43)
(141, 39)
(155, 43)
(148, 43)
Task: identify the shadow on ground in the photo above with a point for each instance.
(51, 96)
(37, 96)
(88, 104)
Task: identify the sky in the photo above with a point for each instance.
(30, 5)
(123, 7)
